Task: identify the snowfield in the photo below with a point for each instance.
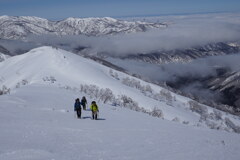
(37, 119)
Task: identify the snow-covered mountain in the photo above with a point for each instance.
(54, 67)
(37, 119)
(187, 54)
(20, 27)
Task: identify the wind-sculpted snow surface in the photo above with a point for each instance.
(21, 27)
(55, 67)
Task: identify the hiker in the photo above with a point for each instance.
(94, 109)
(84, 102)
(77, 108)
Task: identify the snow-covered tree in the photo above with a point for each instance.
(4, 90)
(156, 112)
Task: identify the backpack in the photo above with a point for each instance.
(77, 105)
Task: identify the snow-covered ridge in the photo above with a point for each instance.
(188, 54)
(52, 67)
(19, 27)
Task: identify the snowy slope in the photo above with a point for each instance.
(20, 27)
(37, 119)
(54, 67)
(37, 122)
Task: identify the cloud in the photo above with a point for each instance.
(200, 68)
(174, 37)
(17, 46)
(183, 32)
(188, 76)
(202, 92)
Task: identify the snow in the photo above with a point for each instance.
(3, 57)
(23, 26)
(69, 70)
(37, 122)
(37, 119)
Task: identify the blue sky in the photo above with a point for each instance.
(59, 9)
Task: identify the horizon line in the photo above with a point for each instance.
(132, 16)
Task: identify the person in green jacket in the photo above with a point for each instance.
(94, 109)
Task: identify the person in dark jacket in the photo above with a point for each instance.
(94, 109)
(78, 108)
(84, 102)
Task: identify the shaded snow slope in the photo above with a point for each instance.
(49, 66)
(37, 122)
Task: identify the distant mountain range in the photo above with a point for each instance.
(20, 27)
(188, 54)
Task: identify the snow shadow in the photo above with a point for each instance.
(89, 117)
(86, 117)
(101, 119)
